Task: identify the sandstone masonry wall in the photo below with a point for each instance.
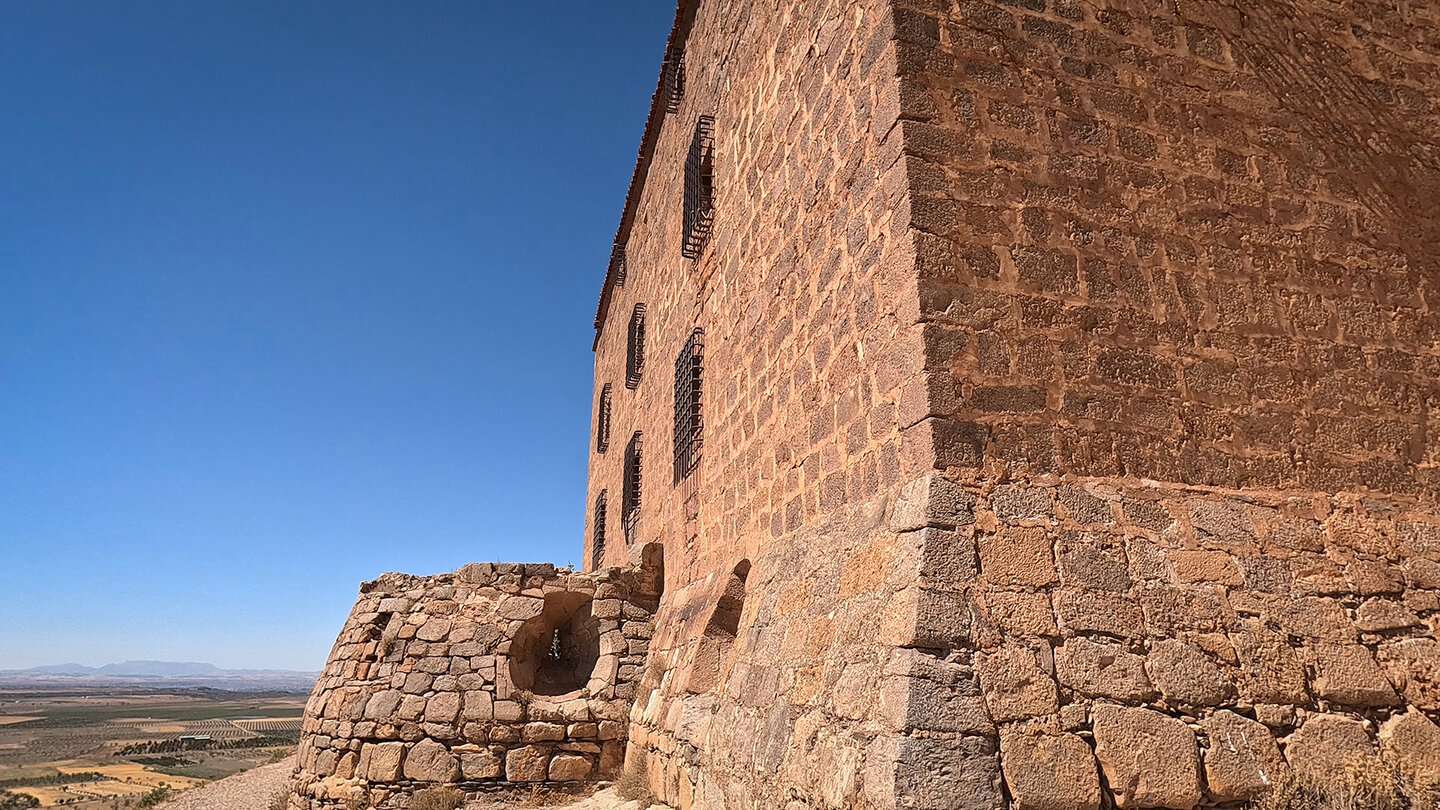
(522, 673)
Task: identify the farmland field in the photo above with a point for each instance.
(94, 749)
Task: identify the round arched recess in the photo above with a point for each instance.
(555, 652)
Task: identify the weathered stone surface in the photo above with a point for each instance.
(380, 762)
(443, 708)
(429, 761)
(1413, 665)
(1413, 740)
(1149, 760)
(931, 500)
(1187, 676)
(1102, 669)
(1018, 556)
(937, 774)
(383, 705)
(1328, 744)
(1049, 771)
(1243, 760)
(482, 764)
(1016, 683)
(1348, 675)
(569, 767)
(1272, 672)
(530, 763)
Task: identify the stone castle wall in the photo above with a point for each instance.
(505, 672)
(1181, 356)
(1069, 379)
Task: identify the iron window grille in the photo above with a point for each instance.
(635, 356)
(699, 210)
(630, 495)
(602, 420)
(597, 540)
(688, 388)
(674, 82)
(617, 264)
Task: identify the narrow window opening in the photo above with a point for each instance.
(602, 420)
(630, 495)
(699, 209)
(635, 356)
(688, 388)
(597, 541)
(674, 83)
(617, 264)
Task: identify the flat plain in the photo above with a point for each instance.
(113, 748)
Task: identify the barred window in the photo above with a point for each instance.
(635, 357)
(602, 420)
(688, 388)
(699, 188)
(630, 495)
(674, 82)
(617, 264)
(597, 538)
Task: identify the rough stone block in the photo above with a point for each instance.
(1102, 669)
(482, 764)
(443, 707)
(1413, 740)
(931, 500)
(530, 763)
(1243, 760)
(1017, 556)
(1049, 771)
(429, 761)
(380, 762)
(569, 767)
(1016, 683)
(1328, 744)
(1187, 676)
(1348, 675)
(1149, 760)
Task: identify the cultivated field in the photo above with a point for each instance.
(122, 748)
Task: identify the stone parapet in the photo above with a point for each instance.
(495, 674)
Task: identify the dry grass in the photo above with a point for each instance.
(437, 798)
(1366, 784)
(634, 783)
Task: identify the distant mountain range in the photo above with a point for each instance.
(160, 673)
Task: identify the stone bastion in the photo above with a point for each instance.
(496, 673)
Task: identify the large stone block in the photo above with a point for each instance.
(932, 774)
(530, 763)
(1413, 740)
(1149, 760)
(1187, 676)
(1243, 760)
(1326, 745)
(1049, 770)
(429, 761)
(1016, 682)
(380, 762)
(931, 500)
(1348, 675)
(1017, 556)
(1102, 669)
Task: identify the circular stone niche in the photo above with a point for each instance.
(555, 653)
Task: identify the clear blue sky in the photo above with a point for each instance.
(292, 293)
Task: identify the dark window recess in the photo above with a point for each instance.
(674, 82)
(602, 420)
(630, 495)
(617, 264)
(688, 424)
(699, 188)
(635, 356)
(597, 538)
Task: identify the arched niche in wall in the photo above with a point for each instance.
(712, 652)
(555, 652)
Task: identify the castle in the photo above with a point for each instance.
(998, 403)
